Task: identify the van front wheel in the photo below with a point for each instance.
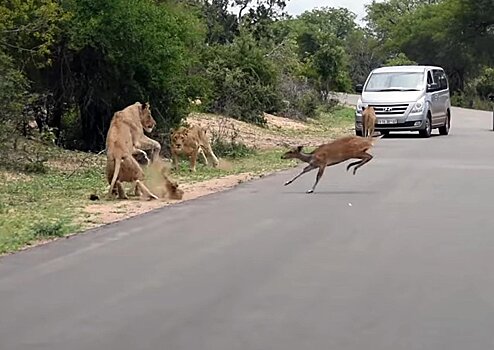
(426, 133)
(444, 130)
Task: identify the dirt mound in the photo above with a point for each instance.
(284, 123)
(278, 133)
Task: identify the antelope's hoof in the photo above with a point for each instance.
(310, 191)
(151, 197)
(287, 183)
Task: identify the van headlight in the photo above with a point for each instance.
(360, 105)
(419, 106)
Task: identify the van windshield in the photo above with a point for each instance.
(396, 81)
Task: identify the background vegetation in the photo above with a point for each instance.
(70, 64)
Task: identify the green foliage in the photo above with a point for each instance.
(454, 34)
(339, 22)
(399, 60)
(243, 80)
(365, 54)
(320, 36)
(29, 29)
(13, 86)
(43, 230)
(383, 17)
(140, 49)
(231, 149)
(226, 141)
(484, 84)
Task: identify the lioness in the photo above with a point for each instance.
(123, 141)
(191, 141)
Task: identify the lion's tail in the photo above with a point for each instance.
(116, 171)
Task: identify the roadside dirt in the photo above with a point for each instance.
(108, 212)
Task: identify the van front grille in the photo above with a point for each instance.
(390, 109)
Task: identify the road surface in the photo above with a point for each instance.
(400, 256)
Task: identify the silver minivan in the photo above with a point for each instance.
(406, 98)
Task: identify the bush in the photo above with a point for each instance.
(243, 81)
(300, 99)
(231, 149)
(226, 141)
(114, 53)
(484, 85)
(48, 229)
(471, 98)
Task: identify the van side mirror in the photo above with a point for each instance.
(359, 88)
(432, 87)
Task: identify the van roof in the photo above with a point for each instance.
(411, 68)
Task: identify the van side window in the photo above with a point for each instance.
(439, 78)
(444, 81)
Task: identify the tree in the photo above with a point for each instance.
(28, 32)
(320, 35)
(365, 54)
(244, 80)
(399, 60)
(454, 34)
(383, 16)
(222, 24)
(340, 22)
(114, 53)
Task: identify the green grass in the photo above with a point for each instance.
(329, 124)
(256, 163)
(43, 206)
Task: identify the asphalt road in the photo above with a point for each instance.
(400, 256)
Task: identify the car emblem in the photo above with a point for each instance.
(387, 109)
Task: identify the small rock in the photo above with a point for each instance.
(94, 197)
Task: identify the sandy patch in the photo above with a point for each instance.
(284, 123)
(8, 176)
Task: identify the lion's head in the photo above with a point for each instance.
(178, 138)
(147, 120)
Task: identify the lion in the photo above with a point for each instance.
(191, 141)
(125, 138)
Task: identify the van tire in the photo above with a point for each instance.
(359, 133)
(444, 130)
(427, 131)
